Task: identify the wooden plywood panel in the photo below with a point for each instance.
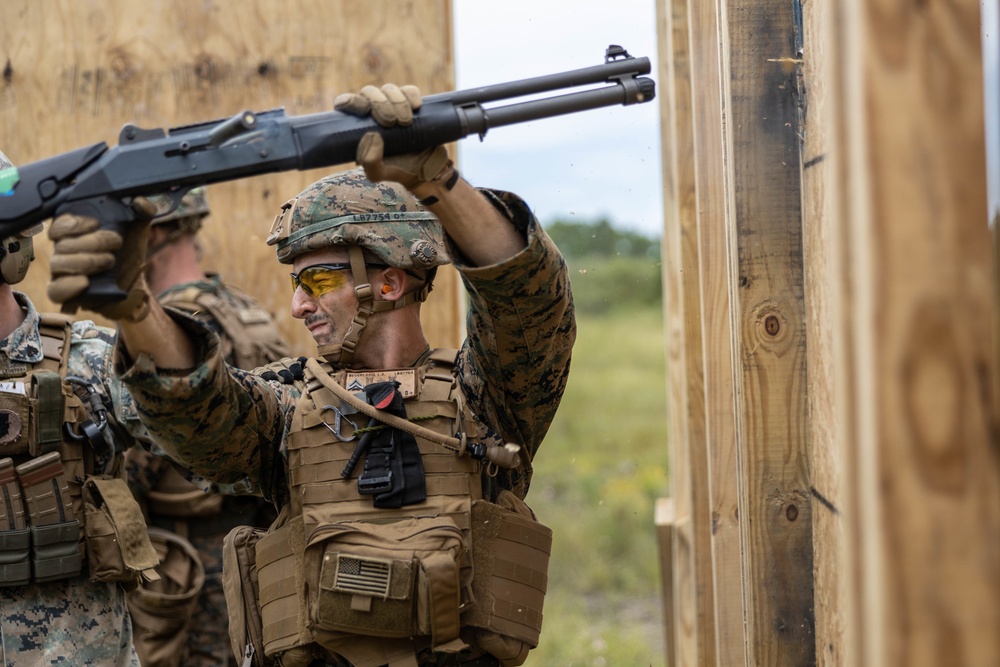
(922, 436)
(75, 72)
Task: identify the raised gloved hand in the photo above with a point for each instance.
(81, 250)
(393, 105)
(389, 105)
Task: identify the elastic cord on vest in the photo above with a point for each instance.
(448, 185)
(507, 457)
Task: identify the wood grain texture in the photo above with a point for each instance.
(769, 360)
(923, 430)
(826, 396)
(76, 72)
(711, 158)
(693, 626)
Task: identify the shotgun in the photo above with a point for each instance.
(100, 181)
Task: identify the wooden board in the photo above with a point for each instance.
(827, 390)
(711, 157)
(921, 441)
(693, 586)
(76, 72)
(762, 97)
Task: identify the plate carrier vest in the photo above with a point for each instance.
(58, 512)
(455, 572)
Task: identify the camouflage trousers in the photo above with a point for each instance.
(69, 622)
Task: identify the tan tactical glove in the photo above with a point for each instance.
(81, 250)
(394, 105)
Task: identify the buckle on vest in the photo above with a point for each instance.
(372, 485)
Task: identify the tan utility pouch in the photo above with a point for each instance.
(161, 610)
(511, 555)
(398, 579)
(118, 546)
(241, 586)
(277, 587)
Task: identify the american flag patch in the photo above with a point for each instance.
(366, 576)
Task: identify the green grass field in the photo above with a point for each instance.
(597, 476)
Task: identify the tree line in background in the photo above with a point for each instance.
(610, 268)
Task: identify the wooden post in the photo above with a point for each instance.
(74, 73)
(840, 199)
(665, 520)
(827, 390)
(693, 622)
(762, 93)
(743, 83)
(923, 496)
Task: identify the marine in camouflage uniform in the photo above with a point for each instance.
(513, 366)
(249, 338)
(233, 426)
(71, 621)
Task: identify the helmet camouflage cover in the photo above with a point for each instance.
(347, 209)
(192, 205)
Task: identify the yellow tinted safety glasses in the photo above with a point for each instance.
(318, 279)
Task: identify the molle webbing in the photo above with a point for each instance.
(317, 458)
(44, 459)
(32, 412)
(511, 555)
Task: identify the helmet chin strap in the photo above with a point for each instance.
(342, 354)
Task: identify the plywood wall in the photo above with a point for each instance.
(75, 71)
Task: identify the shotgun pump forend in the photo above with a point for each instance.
(100, 181)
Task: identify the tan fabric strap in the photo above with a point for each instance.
(325, 492)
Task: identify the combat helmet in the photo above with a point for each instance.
(17, 251)
(184, 219)
(381, 224)
(190, 210)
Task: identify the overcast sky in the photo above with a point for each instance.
(582, 166)
(602, 163)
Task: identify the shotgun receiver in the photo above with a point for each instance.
(100, 182)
